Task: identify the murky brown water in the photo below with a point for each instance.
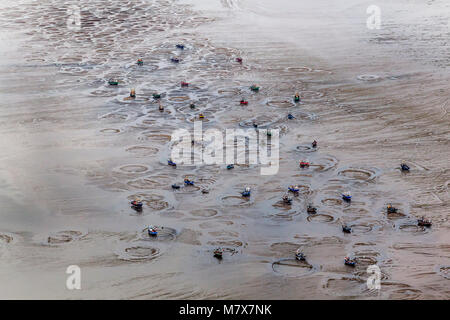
(75, 152)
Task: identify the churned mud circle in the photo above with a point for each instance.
(290, 267)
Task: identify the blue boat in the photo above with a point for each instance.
(230, 166)
(290, 116)
(175, 186)
(171, 163)
(404, 167)
(175, 60)
(188, 182)
(152, 231)
(300, 256)
(349, 262)
(246, 192)
(346, 229)
(347, 197)
(293, 189)
(180, 46)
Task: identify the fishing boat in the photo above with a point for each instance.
(349, 262)
(171, 163)
(424, 222)
(304, 164)
(346, 196)
(254, 88)
(246, 192)
(152, 231)
(140, 62)
(113, 82)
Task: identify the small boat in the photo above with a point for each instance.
(290, 116)
(311, 209)
(180, 46)
(314, 144)
(156, 96)
(184, 84)
(422, 222)
(136, 205)
(188, 182)
(300, 256)
(255, 125)
(175, 186)
(132, 93)
(244, 102)
(286, 199)
(347, 196)
(297, 98)
(346, 229)
(171, 163)
(239, 60)
(161, 108)
(304, 164)
(404, 167)
(205, 191)
(174, 60)
(192, 106)
(201, 116)
(391, 209)
(294, 189)
(349, 262)
(218, 253)
(140, 62)
(246, 192)
(254, 88)
(269, 133)
(152, 231)
(230, 166)
(113, 82)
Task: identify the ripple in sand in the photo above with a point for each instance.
(138, 253)
(345, 286)
(62, 237)
(368, 77)
(134, 168)
(236, 201)
(110, 131)
(331, 202)
(142, 150)
(359, 174)
(320, 218)
(291, 267)
(280, 103)
(207, 213)
(305, 148)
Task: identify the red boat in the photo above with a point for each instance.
(244, 102)
(304, 164)
(184, 84)
(239, 60)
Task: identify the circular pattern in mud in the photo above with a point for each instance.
(206, 213)
(280, 103)
(292, 267)
(320, 218)
(62, 237)
(134, 168)
(412, 228)
(236, 201)
(361, 228)
(305, 148)
(324, 164)
(138, 253)
(359, 174)
(368, 77)
(331, 202)
(142, 150)
(153, 201)
(345, 286)
(110, 131)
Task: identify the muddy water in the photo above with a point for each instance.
(75, 152)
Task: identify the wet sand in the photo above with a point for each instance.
(75, 152)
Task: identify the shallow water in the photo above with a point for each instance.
(75, 152)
